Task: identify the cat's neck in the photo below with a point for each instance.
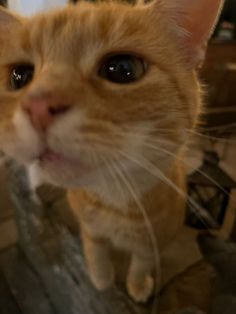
(143, 189)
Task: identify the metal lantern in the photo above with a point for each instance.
(3, 2)
(209, 190)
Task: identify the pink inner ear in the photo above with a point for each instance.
(201, 19)
(198, 18)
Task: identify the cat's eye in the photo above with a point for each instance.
(122, 68)
(21, 75)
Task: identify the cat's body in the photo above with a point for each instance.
(129, 231)
(102, 99)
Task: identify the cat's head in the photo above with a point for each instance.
(96, 84)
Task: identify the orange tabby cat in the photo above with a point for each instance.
(100, 98)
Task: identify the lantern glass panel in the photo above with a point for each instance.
(209, 190)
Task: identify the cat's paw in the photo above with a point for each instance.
(103, 280)
(141, 292)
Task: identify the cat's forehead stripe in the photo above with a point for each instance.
(83, 29)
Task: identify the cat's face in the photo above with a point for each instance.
(92, 85)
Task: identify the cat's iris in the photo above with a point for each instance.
(21, 75)
(122, 69)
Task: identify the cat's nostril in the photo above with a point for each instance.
(58, 109)
(42, 110)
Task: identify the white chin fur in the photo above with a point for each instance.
(112, 191)
(24, 144)
(35, 176)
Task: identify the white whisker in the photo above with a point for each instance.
(114, 176)
(212, 138)
(130, 185)
(153, 170)
(165, 151)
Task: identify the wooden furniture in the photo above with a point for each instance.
(219, 76)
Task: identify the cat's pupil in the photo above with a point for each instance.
(122, 69)
(21, 75)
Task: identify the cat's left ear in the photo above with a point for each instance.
(194, 21)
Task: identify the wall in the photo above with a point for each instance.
(27, 7)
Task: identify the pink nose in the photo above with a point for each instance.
(43, 109)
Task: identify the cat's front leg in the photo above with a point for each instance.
(140, 283)
(99, 262)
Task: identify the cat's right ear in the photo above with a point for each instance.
(8, 21)
(193, 21)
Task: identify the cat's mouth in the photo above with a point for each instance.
(51, 156)
(58, 159)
